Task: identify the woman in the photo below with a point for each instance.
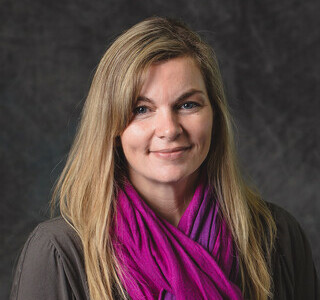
(153, 203)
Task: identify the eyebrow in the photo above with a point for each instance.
(182, 97)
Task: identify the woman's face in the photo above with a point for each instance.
(170, 133)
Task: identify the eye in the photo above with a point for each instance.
(140, 110)
(189, 105)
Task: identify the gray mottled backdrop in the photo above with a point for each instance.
(269, 55)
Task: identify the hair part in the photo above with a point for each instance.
(87, 187)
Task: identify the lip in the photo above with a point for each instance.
(171, 153)
(171, 150)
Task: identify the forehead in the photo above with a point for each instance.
(172, 76)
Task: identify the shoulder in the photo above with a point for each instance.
(57, 233)
(54, 237)
(291, 239)
(52, 257)
(280, 214)
(287, 225)
(54, 228)
(293, 267)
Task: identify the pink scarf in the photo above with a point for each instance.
(196, 260)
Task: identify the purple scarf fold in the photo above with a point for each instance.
(196, 260)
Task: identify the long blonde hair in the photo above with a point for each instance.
(87, 187)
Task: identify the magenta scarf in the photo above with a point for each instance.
(196, 260)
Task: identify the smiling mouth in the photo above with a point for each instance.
(172, 150)
(172, 153)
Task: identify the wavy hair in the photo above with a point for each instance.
(87, 187)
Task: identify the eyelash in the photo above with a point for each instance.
(194, 105)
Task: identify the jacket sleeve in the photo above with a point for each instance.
(40, 271)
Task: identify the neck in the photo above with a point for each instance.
(167, 200)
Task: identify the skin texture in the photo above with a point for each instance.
(169, 136)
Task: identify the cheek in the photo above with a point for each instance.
(202, 131)
(133, 139)
(205, 139)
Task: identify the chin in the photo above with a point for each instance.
(171, 176)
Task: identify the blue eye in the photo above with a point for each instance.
(140, 110)
(189, 105)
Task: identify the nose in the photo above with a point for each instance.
(167, 126)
